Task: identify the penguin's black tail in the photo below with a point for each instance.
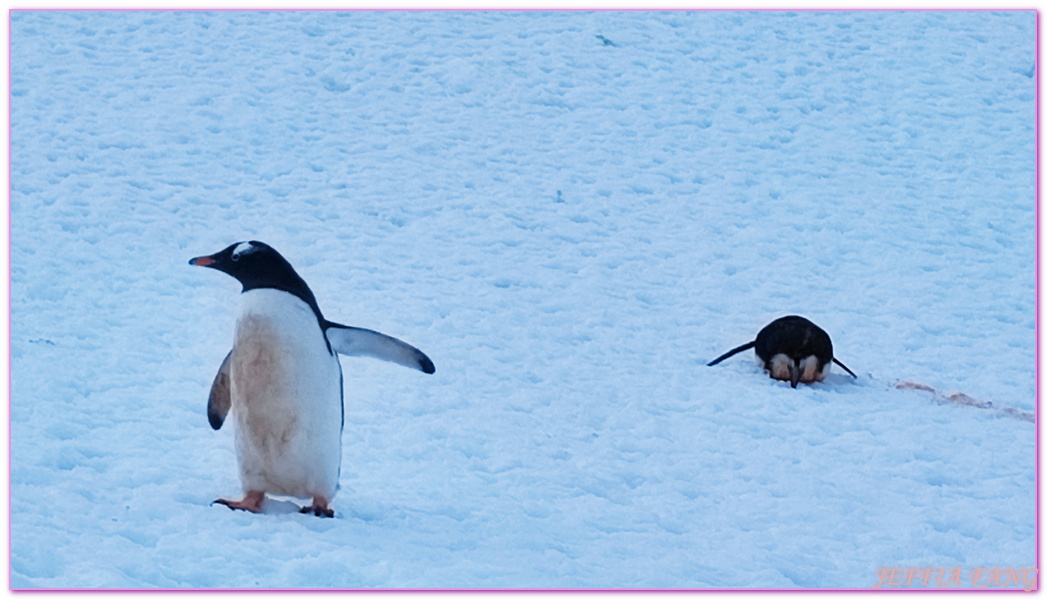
(845, 367)
(735, 351)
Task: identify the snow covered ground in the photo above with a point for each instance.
(571, 213)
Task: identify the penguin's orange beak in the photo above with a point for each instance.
(201, 261)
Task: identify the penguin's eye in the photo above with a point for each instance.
(235, 257)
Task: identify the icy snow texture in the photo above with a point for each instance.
(570, 213)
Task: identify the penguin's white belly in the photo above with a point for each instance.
(286, 398)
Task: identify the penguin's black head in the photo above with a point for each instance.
(253, 264)
(257, 265)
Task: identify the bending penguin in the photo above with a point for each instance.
(283, 382)
(793, 349)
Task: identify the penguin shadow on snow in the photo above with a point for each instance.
(276, 507)
(282, 382)
(792, 349)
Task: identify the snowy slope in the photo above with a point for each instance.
(571, 213)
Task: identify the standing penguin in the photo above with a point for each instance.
(793, 349)
(283, 381)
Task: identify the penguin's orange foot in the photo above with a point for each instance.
(252, 502)
(319, 508)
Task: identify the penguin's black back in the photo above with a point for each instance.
(796, 338)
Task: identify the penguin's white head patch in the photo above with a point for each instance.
(242, 249)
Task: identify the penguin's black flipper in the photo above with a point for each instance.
(219, 401)
(733, 352)
(356, 341)
(845, 367)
